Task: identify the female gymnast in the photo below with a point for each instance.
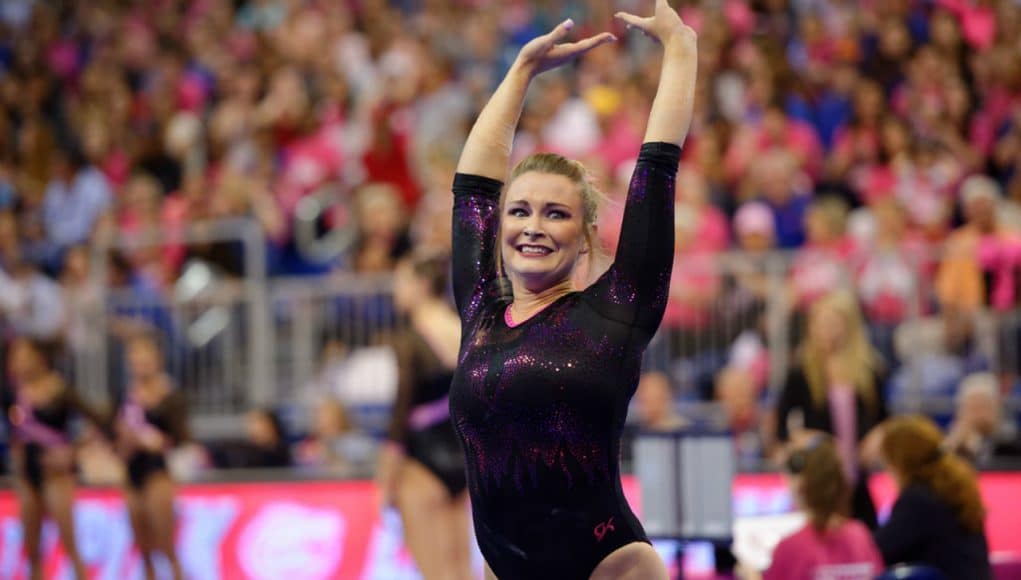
(422, 466)
(544, 377)
(40, 414)
(152, 420)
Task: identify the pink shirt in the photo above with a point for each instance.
(846, 553)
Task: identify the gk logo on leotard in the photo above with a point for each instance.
(601, 530)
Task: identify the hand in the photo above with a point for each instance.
(58, 460)
(664, 26)
(151, 440)
(544, 53)
(870, 450)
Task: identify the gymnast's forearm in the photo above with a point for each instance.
(488, 148)
(672, 108)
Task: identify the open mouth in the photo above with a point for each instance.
(534, 251)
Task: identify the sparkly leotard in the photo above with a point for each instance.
(540, 406)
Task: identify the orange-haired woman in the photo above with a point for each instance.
(938, 517)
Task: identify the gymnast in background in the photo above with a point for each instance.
(40, 410)
(421, 468)
(153, 419)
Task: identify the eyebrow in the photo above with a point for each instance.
(548, 205)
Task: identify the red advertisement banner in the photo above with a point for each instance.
(334, 530)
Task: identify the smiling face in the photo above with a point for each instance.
(543, 230)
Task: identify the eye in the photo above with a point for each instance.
(558, 214)
(517, 212)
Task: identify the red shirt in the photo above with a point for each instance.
(846, 553)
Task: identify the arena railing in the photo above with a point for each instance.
(238, 342)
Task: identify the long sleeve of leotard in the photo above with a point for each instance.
(475, 224)
(634, 290)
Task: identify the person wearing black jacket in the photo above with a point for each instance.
(836, 388)
(938, 518)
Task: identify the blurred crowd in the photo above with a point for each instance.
(876, 144)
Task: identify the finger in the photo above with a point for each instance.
(561, 31)
(583, 46)
(632, 20)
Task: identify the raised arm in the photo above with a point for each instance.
(488, 148)
(634, 289)
(670, 117)
(484, 165)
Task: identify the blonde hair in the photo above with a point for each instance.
(555, 164)
(912, 448)
(856, 351)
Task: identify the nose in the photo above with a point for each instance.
(532, 229)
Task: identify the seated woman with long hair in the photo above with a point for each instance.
(938, 518)
(831, 545)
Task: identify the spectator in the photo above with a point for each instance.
(31, 304)
(891, 267)
(856, 145)
(655, 408)
(836, 387)
(754, 271)
(712, 231)
(937, 352)
(894, 46)
(334, 444)
(695, 278)
(938, 518)
(830, 545)
(737, 392)
(981, 256)
(979, 432)
(818, 269)
(76, 198)
(891, 272)
(82, 296)
(266, 440)
(775, 132)
(383, 235)
(776, 181)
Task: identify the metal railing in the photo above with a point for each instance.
(233, 343)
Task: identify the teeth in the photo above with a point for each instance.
(534, 250)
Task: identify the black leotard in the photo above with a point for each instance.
(421, 417)
(170, 418)
(540, 406)
(41, 427)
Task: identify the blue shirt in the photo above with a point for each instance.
(70, 210)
